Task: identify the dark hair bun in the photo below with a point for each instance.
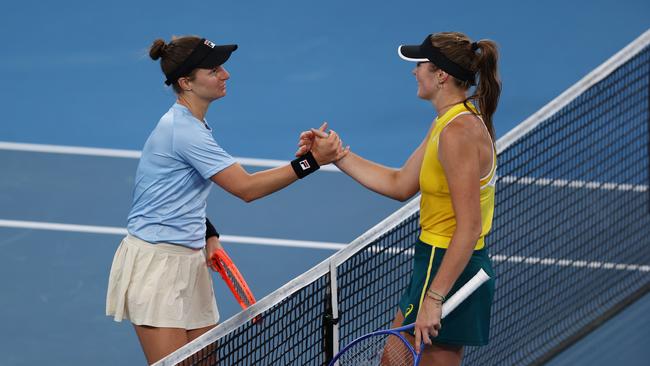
(157, 49)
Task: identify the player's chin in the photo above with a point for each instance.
(219, 94)
(423, 95)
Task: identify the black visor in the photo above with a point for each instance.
(426, 52)
(206, 55)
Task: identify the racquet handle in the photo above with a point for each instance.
(468, 288)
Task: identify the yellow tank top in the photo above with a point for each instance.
(437, 219)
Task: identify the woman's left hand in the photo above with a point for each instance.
(212, 244)
(427, 323)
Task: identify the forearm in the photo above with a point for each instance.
(371, 175)
(265, 182)
(455, 260)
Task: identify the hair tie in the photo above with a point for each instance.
(474, 46)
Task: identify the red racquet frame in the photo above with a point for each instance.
(221, 262)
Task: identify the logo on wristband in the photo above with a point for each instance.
(304, 165)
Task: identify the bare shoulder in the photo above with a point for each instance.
(465, 129)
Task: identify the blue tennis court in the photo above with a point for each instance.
(81, 96)
(63, 274)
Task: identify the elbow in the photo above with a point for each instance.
(403, 188)
(244, 194)
(247, 197)
(405, 194)
(476, 230)
(401, 198)
(471, 229)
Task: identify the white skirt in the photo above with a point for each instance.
(161, 285)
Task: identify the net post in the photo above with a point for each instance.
(331, 317)
(335, 307)
(648, 137)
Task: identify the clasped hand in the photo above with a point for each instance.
(327, 147)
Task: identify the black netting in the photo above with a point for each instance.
(290, 333)
(571, 225)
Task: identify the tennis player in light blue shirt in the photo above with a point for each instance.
(173, 180)
(159, 277)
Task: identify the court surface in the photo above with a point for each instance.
(73, 77)
(55, 273)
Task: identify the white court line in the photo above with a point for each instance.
(572, 183)
(15, 224)
(129, 154)
(269, 163)
(320, 245)
(536, 260)
(569, 263)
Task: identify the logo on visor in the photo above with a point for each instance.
(209, 44)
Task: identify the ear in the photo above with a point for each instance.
(185, 84)
(442, 76)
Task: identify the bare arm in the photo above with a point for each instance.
(249, 187)
(237, 181)
(459, 157)
(400, 184)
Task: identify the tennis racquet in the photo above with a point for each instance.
(221, 262)
(389, 347)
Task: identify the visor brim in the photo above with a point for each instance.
(411, 53)
(218, 56)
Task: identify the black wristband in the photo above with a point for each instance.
(210, 231)
(305, 165)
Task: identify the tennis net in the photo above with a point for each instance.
(569, 241)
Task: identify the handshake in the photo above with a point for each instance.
(325, 146)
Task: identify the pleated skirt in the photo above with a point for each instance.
(161, 285)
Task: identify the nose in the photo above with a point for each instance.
(414, 70)
(225, 75)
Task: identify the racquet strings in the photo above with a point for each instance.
(384, 350)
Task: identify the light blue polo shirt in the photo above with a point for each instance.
(173, 180)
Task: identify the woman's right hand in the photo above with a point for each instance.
(326, 147)
(306, 139)
(212, 244)
(427, 323)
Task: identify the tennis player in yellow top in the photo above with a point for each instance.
(454, 169)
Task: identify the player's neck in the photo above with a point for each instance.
(197, 106)
(443, 102)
